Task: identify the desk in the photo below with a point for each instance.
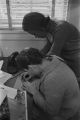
(17, 111)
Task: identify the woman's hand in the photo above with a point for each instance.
(25, 77)
(29, 87)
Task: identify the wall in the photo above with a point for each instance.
(74, 13)
(11, 41)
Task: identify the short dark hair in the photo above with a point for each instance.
(35, 56)
(30, 56)
(34, 21)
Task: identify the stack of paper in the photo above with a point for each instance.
(11, 92)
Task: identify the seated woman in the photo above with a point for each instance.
(56, 94)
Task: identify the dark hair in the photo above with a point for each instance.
(9, 64)
(34, 56)
(22, 60)
(34, 21)
(28, 57)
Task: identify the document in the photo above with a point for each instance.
(11, 92)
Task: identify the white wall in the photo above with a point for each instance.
(11, 41)
(74, 13)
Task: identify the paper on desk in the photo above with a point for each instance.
(11, 92)
(4, 76)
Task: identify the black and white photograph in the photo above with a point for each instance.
(39, 59)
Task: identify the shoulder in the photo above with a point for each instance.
(63, 25)
(66, 25)
(61, 76)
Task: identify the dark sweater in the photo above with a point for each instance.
(66, 44)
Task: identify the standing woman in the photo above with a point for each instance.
(63, 39)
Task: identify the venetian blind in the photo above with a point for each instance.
(18, 8)
(3, 14)
(61, 7)
(13, 11)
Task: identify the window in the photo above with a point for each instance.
(19, 8)
(61, 7)
(3, 14)
(13, 11)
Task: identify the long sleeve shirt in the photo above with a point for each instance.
(66, 44)
(58, 93)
